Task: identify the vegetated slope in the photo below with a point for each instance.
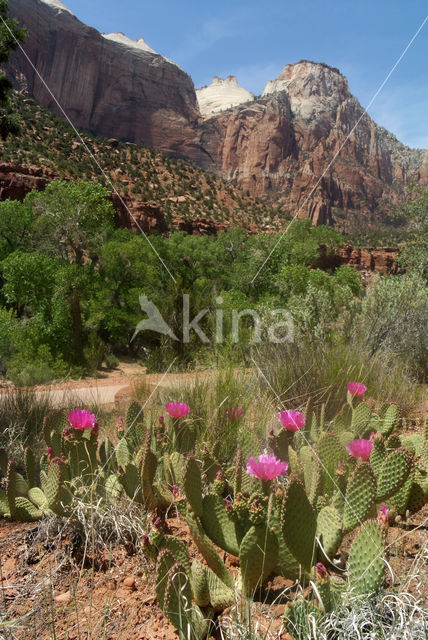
(182, 191)
(280, 146)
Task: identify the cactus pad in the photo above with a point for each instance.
(393, 472)
(218, 526)
(192, 485)
(258, 555)
(360, 495)
(366, 559)
(329, 530)
(298, 523)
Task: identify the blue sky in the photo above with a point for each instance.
(254, 40)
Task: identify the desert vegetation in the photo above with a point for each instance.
(234, 515)
(279, 494)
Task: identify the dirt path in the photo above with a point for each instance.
(109, 389)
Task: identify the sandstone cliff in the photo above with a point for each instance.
(106, 85)
(280, 146)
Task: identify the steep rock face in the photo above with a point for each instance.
(145, 216)
(282, 148)
(16, 181)
(221, 94)
(106, 85)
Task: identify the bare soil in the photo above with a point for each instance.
(51, 588)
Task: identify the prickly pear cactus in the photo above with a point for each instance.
(329, 531)
(178, 606)
(219, 526)
(258, 556)
(360, 420)
(366, 564)
(192, 485)
(298, 524)
(208, 551)
(360, 495)
(389, 418)
(330, 452)
(393, 473)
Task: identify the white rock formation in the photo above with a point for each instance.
(58, 5)
(221, 94)
(313, 88)
(140, 44)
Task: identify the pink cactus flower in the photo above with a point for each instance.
(95, 429)
(50, 453)
(383, 516)
(360, 449)
(292, 420)
(177, 409)
(234, 413)
(356, 389)
(81, 419)
(176, 492)
(120, 424)
(267, 467)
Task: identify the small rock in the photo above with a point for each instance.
(63, 598)
(129, 582)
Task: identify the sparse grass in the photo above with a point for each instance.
(293, 372)
(210, 396)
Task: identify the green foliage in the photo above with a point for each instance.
(393, 320)
(10, 36)
(414, 212)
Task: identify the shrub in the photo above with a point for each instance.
(112, 362)
(393, 318)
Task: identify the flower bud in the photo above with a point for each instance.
(383, 516)
(321, 573)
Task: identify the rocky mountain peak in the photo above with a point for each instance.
(120, 37)
(221, 94)
(56, 4)
(312, 88)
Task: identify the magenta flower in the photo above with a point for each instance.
(383, 516)
(356, 389)
(267, 467)
(234, 414)
(177, 409)
(81, 419)
(360, 449)
(292, 420)
(321, 573)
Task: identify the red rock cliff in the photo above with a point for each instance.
(280, 146)
(111, 88)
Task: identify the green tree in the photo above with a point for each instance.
(414, 212)
(72, 220)
(16, 220)
(10, 36)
